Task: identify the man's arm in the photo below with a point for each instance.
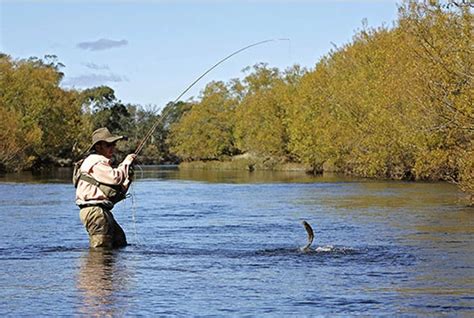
(103, 171)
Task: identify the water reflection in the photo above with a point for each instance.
(63, 175)
(102, 282)
(401, 249)
(234, 176)
(52, 175)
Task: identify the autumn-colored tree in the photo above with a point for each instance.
(206, 131)
(392, 103)
(260, 126)
(44, 119)
(442, 53)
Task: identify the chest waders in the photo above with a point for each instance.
(103, 229)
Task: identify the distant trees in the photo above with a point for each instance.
(156, 149)
(102, 109)
(207, 131)
(42, 123)
(392, 103)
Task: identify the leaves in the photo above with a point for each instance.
(392, 103)
(206, 130)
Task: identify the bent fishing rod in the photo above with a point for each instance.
(158, 121)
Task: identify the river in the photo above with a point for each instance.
(207, 243)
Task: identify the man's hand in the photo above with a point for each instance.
(129, 159)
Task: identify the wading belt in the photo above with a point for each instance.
(100, 205)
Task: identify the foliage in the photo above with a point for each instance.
(392, 103)
(42, 123)
(207, 131)
(43, 119)
(260, 117)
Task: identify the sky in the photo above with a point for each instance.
(149, 51)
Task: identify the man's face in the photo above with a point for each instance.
(105, 149)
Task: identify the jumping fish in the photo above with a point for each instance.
(309, 231)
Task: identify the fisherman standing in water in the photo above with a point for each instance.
(100, 187)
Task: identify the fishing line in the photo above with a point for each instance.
(158, 121)
(134, 207)
(290, 51)
(134, 219)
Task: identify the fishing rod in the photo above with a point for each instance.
(158, 121)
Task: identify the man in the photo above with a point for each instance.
(99, 187)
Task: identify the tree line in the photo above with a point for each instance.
(43, 124)
(395, 102)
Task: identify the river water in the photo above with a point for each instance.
(227, 244)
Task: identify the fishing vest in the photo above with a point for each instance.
(114, 193)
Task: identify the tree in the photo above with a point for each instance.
(261, 126)
(46, 119)
(205, 132)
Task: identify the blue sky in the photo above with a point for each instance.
(149, 51)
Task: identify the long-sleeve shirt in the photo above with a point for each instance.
(100, 168)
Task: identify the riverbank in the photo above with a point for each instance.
(248, 163)
(251, 163)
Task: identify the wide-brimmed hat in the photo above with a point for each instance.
(103, 134)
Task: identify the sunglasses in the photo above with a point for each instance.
(109, 145)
